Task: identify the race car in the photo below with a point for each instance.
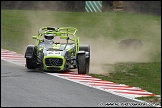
(61, 54)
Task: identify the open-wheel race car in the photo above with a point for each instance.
(58, 49)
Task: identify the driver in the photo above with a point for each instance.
(45, 44)
(47, 41)
(48, 37)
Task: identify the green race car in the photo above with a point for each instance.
(62, 54)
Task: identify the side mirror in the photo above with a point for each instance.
(34, 37)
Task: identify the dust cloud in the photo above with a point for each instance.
(38, 19)
(102, 50)
(106, 51)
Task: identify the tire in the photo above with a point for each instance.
(87, 49)
(82, 61)
(81, 64)
(31, 63)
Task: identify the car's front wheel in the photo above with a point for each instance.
(30, 63)
(81, 63)
(83, 59)
(30, 55)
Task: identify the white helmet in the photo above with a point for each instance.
(49, 36)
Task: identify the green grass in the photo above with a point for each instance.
(147, 76)
(18, 26)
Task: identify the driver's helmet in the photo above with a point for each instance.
(49, 36)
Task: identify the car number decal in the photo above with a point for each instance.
(54, 53)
